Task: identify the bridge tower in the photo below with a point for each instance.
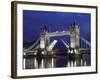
(43, 39)
(75, 37)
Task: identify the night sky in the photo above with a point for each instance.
(55, 21)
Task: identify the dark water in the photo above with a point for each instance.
(57, 61)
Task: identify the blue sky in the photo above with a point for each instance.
(55, 21)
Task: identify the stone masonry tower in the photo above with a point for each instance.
(43, 39)
(75, 36)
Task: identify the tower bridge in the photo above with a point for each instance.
(76, 41)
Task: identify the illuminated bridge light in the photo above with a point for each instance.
(43, 52)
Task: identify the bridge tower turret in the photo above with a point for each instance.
(43, 39)
(75, 37)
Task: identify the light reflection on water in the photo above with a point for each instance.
(58, 61)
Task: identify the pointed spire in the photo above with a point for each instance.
(44, 29)
(75, 23)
